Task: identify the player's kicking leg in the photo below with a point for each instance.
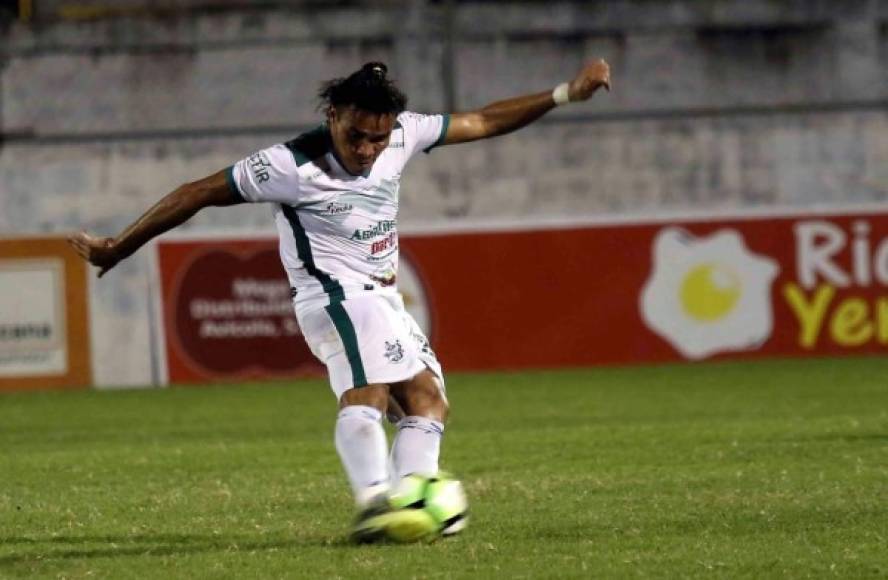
(417, 443)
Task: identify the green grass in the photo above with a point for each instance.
(775, 469)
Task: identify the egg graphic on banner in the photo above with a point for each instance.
(708, 295)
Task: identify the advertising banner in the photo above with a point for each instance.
(226, 312)
(44, 340)
(790, 286)
(601, 294)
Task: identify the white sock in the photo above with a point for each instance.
(361, 443)
(416, 446)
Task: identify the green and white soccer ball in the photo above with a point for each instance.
(429, 507)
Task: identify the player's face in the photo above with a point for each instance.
(359, 137)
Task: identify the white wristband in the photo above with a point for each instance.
(560, 95)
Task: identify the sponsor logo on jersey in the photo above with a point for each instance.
(336, 208)
(259, 165)
(394, 351)
(398, 145)
(387, 243)
(379, 229)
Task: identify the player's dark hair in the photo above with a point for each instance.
(367, 89)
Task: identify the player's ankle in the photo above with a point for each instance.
(371, 494)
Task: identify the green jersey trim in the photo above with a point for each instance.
(310, 145)
(334, 290)
(232, 184)
(349, 338)
(445, 124)
(303, 248)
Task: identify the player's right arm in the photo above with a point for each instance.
(174, 209)
(269, 175)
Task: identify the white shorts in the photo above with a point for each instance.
(367, 340)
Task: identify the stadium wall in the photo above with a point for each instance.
(717, 106)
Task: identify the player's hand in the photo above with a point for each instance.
(99, 252)
(593, 76)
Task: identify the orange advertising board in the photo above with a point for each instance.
(44, 321)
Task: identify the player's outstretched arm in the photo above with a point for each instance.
(174, 209)
(505, 116)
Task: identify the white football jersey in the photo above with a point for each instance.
(338, 232)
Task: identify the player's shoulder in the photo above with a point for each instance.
(417, 125)
(427, 130)
(310, 145)
(412, 117)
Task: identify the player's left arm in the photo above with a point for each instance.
(506, 116)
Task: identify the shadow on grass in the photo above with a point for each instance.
(111, 546)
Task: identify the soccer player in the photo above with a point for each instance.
(334, 194)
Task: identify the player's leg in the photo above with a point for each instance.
(417, 443)
(362, 448)
(359, 437)
(361, 441)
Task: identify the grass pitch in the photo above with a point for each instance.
(775, 469)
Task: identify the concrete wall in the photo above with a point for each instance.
(717, 106)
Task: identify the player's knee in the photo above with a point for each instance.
(425, 399)
(375, 396)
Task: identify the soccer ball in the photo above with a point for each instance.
(429, 506)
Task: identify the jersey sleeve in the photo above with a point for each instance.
(423, 132)
(267, 175)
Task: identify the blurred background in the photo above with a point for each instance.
(719, 106)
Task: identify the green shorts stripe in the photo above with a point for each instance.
(334, 290)
(346, 331)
